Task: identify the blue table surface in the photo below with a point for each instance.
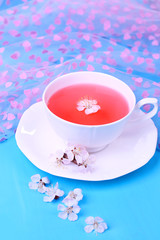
(130, 205)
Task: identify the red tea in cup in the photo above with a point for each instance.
(104, 105)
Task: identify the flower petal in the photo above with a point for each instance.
(78, 191)
(56, 186)
(72, 217)
(59, 193)
(36, 178)
(88, 111)
(61, 207)
(104, 225)
(69, 201)
(33, 185)
(79, 197)
(98, 219)
(76, 209)
(80, 108)
(89, 220)
(42, 189)
(100, 228)
(50, 191)
(48, 199)
(79, 159)
(81, 103)
(70, 155)
(85, 155)
(88, 228)
(95, 108)
(63, 215)
(45, 180)
(66, 161)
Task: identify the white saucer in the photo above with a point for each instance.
(133, 149)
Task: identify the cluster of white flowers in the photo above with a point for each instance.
(39, 184)
(75, 154)
(71, 201)
(88, 105)
(70, 208)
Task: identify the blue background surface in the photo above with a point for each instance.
(130, 205)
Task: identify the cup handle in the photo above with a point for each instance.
(136, 115)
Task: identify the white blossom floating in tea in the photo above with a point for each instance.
(88, 105)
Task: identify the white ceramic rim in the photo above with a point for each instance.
(83, 125)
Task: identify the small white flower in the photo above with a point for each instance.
(88, 105)
(73, 197)
(96, 224)
(77, 152)
(53, 193)
(39, 183)
(62, 158)
(69, 212)
(86, 165)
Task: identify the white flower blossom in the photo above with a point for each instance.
(39, 183)
(96, 224)
(53, 193)
(62, 158)
(88, 105)
(69, 212)
(77, 152)
(73, 197)
(86, 165)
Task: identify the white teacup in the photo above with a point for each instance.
(94, 137)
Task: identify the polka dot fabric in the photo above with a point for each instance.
(42, 39)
